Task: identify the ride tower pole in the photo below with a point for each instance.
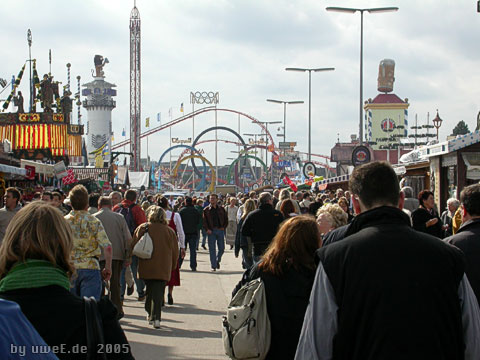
(135, 89)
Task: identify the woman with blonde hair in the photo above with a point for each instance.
(174, 221)
(35, 272)
(288, 271)
(329, 217)
(244, 242)
(157, 270)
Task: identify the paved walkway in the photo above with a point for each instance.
(192, 327)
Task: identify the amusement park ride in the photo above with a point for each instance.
(183, 176)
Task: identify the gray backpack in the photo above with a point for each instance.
(246, 327)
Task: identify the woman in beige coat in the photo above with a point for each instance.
(156, 271)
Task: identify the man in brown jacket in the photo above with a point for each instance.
(215, 221)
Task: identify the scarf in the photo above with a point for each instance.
(34, 274)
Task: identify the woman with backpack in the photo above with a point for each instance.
(35, 272)
(288, 270)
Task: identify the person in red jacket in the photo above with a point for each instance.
(134, 216)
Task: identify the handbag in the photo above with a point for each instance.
(144, 247)
(95, 339)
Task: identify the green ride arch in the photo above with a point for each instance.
(229, 173)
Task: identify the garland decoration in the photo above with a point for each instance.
(15, 85)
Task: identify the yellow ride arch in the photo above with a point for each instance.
(211, 188)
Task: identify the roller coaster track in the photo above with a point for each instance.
(201, 111)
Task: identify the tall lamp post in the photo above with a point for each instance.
(285, 112)
(310, 102)
(352, 11)
(437, 122)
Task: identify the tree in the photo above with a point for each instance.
(460, 129)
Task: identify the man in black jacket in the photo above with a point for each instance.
(215, 221)
(467, 237)
(387, 291)
(262, 225)
(191, 219)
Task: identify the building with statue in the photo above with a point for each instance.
(386, 116)
(99, 104)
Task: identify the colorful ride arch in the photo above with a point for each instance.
(211, 188)
(202, 183)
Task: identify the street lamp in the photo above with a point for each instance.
(437, 122)
(310, 102)
(285, 113)
(352, 11)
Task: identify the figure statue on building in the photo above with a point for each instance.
(386, 78)
(99, 62)
(66, 105)
(47, 93)
(18, 102)
(478, 122)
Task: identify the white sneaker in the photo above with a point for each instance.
(150, 322)
(156, 324)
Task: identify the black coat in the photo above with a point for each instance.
(59, 317)
(467, 239)
(262, 225)
(287, 301)
(396, 290)
(191, 219)
(420, 218)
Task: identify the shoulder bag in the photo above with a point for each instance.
(144, 247)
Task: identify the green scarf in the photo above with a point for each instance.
(34, 274)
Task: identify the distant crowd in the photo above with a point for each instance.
(356, 274)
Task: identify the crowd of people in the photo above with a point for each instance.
(351, 274)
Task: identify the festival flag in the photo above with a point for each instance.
(290, 183)
(147, 122)
(159, 117)
(123, 132)
(70, 178)
(181, 107)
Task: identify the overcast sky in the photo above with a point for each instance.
(240, 48)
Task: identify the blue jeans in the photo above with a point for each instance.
(87, 283)
(204, 237)
(138, 282)
(192, 240)
(216, 238)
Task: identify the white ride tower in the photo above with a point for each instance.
(99, 104)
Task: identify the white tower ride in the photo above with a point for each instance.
(99, 104)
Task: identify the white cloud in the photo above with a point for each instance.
(240, 48)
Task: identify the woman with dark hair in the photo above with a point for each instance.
(35, 272)
(425, 219)
(288, 271)
(288, 209)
